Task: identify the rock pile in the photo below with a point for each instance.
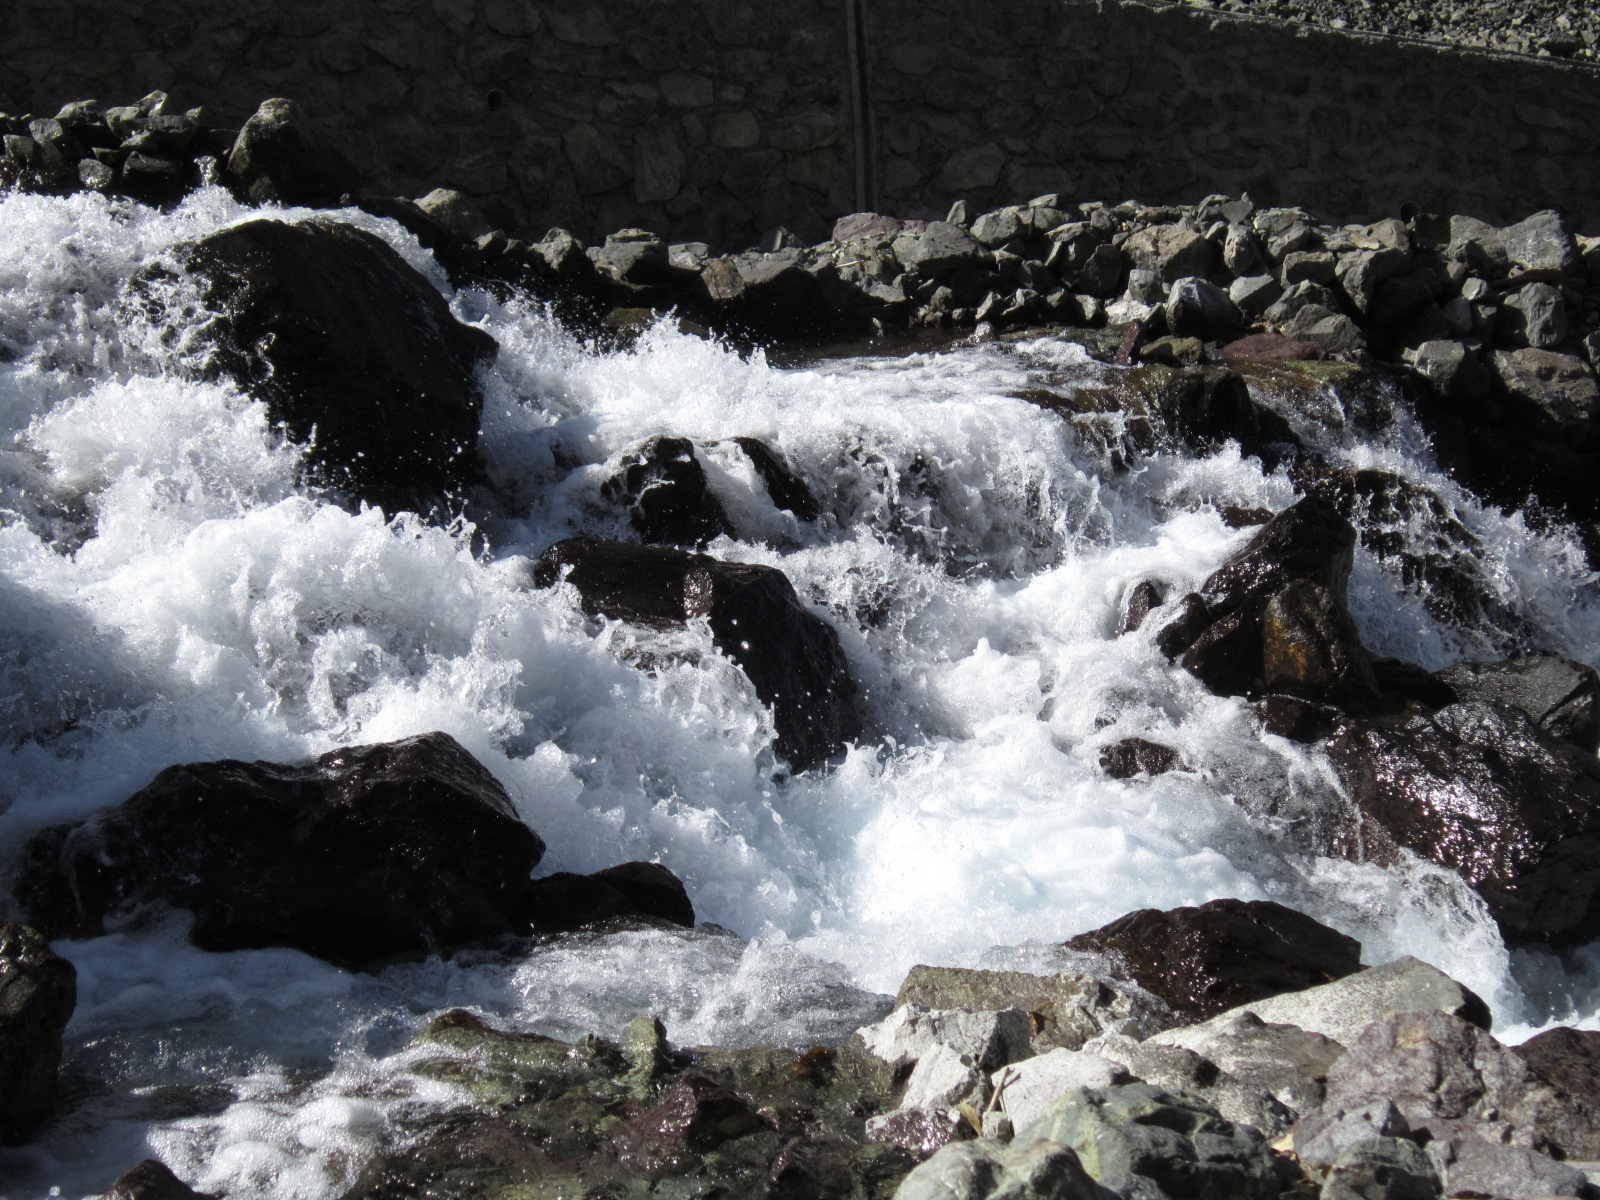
(1555, 28)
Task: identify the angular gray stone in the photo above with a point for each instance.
(1026, 1089)
(1342, 1009)
(1454, 370)
(1437, 1068)
(1286, 1061)
(1241, 253)
(944, 1078)
(1134, 1134)
(38, 990)
(1173, 252)
(1382, 1168)
(1323, 1136)
(1253, 295)
(1068, 1009)
(1197, 308)
(1183, 1072)
(1560, 391)
(1313, 266)
(1471, 1166)
(1535, 315)
(1362, 272)
(991, 1039)
(1335, 332)
(1301, 295)
(978, 1170)
(994, 229)
(1480, 246)
(937, 249)
(1145, 286)
(1543, 242)
(634, 256)
(455, 212)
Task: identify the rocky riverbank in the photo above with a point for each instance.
(1560, 30)
(1235, 1049)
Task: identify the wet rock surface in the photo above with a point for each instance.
(38, 991)
(387, 383)
(1203, 961)
(369, 852)
(792, 658)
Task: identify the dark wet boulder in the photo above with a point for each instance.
(280, 155)
(786, 488)
(152, 1180)
(664, 490)
(365, 853)
(1141, 600)
(564, 902)
(38, 991)
(1383, 1168)
(1273, 616)
(694, 1117)
(1562, 696)
(1204, 961)
(769, 294)
(1137, 756)
(1567, 1058)
(346, 344)
(1472, 1166)
(1550, 394)
(1480, 789)
(792, 657)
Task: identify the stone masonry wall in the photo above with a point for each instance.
(718, 119)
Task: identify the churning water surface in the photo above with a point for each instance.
(170, 593)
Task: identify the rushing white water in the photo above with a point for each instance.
(170, 594)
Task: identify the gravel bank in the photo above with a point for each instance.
(1547, 28)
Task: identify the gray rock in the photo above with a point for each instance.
(1301, 295)
(279, 155)
(977, 1170)
(1172, 252)
(1067, 1010)
(1342, 1009)
(1535, 315)
(1562, 696)
(1183, 1072)
(1307, 266)
(1543, 242)
(634, 256)
(1253, 295)
(1289, 239)
(1454, 370)
(1457, 315)
(958, 213)
(865, 225)
(1132, 1135)
(1196, 308)
(917, 1129)
(943, 1078)
(38, 990)
(994, 229)
(1324, 1136)
(1362, 272)
(1559, 391)
(1289, 1063)
(1145, 286)
(1434, 1067)
(1026, 1089)
(1480, 247)
(1335, 332)
(939, 248)
(1471, 1166)
(990, 1039)
(1382, 1168)
(455, 212)
(1241, 253)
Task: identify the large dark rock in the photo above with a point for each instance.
(280, 155)
(792, 657)
(770, 294)
(1204, 961)
(564, 902)
(152, 1180)
(345, 342)
(694, 1117)
(1562, 696)
(663, 487)
(38, 990)
(1479, 788)
(1273, 616)
(785, 487)
(368, 852)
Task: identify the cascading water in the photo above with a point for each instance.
(172, 594)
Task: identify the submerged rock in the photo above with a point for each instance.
(1561, 696)
(38, 991)
(152, 1180)
(663, 488)
(368, 852)
(564, 902)
(1203, 961)
(791, 657)
(348, 346)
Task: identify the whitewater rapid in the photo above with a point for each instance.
(169, 593)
